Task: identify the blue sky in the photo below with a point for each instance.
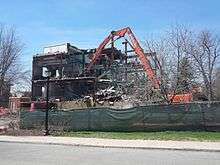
(86, 23)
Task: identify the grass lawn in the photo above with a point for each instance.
(166, 135)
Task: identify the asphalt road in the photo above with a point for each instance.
(31, 154)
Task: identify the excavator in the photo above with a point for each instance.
(145, 60)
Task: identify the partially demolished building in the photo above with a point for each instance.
(65, 64)
(69, 79)
(104, 73)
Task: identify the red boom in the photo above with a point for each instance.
(137, 48)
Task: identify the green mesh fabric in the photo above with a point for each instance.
(192, 116)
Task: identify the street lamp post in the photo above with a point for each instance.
(46, 73)
(47, 108)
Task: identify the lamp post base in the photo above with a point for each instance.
(46, 132)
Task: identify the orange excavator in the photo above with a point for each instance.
(145, 61)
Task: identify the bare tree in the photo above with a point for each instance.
(205, 50)
(22, 86)
(160, 60)
(200, 51)
(172, 62)
(11, 70)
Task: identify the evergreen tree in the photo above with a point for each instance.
(186, 76)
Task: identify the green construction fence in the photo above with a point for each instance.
(191, 116)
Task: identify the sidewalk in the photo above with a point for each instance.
(113, 143)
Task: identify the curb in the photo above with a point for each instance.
(108, 146)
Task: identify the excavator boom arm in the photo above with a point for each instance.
(137, 49)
